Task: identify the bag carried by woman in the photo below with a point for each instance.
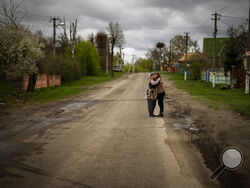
(151, 92)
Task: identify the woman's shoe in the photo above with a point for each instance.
(151, 115)
(160, 114)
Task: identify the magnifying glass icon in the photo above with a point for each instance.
(231, 159)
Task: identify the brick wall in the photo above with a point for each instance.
(42, 81)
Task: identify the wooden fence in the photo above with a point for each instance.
(219, 79)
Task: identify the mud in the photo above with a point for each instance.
(211, 141)
(15, 150)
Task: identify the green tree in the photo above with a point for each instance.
(235, 47)
(87, 56)
(144, 65)
(196, 69)
(68, 68)
(20, 52)
(178, 45)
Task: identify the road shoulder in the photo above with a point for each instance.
(209, 130)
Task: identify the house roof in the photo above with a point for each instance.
(173, 62)
(190, 57)
(208, 46)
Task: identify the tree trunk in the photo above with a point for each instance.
(111, 62)
(32, 82)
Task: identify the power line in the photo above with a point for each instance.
(225, 23)
(233, 17)
(229, 3)
(36, 15)
(29, 25)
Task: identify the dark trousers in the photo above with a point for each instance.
(160, 98)
(151, 106)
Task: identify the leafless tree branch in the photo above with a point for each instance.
(11, 12)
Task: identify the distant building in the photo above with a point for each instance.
(208, 50)
(191, 57)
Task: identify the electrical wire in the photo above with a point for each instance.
(233, 17)
(225, 23)
(229, 3)
(37, 15)
(29, 25)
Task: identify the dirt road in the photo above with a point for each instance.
(103, 138)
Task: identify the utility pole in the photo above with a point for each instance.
(54, 19)
(186, 54)
(247, 66)
(170, 51)
(120, 51)
(215, 18)
(132, 62)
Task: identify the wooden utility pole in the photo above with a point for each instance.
(186, 54)
(54, 19)
(215, 18)
(247, 67)
(170, 51)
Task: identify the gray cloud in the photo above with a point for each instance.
(145, 22)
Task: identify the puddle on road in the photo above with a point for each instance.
(59, 116)
(185, 126)
(73, 106)
(182, 117)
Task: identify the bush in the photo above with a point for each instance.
(87, 55)
(144, 65)
(19, 53)
(139, 68)
(69, 69)
(196, 69)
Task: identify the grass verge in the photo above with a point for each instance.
(9, 95)
(236, 99)
(71, 88)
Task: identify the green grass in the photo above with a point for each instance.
(71, 88)
(236, 99)
(9, 94)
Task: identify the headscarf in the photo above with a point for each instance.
(152, 74)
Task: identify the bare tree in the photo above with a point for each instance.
(116, 39)
(91, 38)
(70, 42)
(73, 38)
(101, 40)
(64, 40)
(11, 12)
(159, 54)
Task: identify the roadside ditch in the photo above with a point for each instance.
(202, 136)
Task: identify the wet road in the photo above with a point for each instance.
(105, 139)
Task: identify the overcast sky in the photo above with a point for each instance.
(145, 22)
